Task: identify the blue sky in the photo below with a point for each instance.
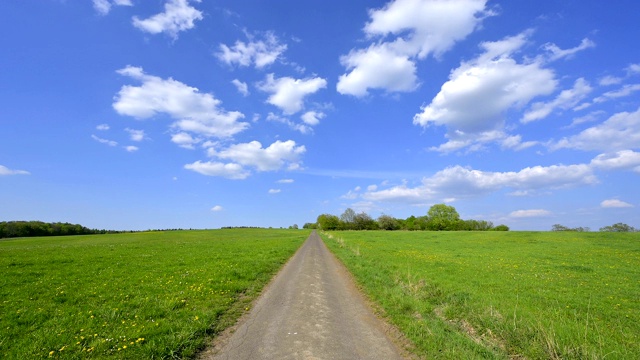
(131, 114)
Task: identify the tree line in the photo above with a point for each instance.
(440, 217)
(11, 229)
(618, 227)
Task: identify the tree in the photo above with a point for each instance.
(363, 221)
(386, 222)
(310, 226)
(348, 216)
(558, 227)
(501, 228)
(328, 222)
(443, 217)
(619, 227)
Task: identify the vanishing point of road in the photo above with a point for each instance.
(311, 310)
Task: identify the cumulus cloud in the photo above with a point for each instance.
(416, 29)
(288, 93)
(556, 53)
(460, 182)
(178, 16)
(615, 203)
(260, 53)
(103, 7)
(530, 213)
(135, 135)
(274, 191)
(217, 208)
(312, 118)
(184, 140)
(302, 128)
(620, 160)
(212, 168)
(633, 69)
(241, 86)
(472, 103)
(567, 99)
(377, 67)
(103, 127)
(104, 141)
(5, 171)
(274, 157)
(285, 181)
(131, 148)
(620, 132)
(193, 111)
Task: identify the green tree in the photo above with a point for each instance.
(443, 217)
(386, 222)
(618, 227)
(363, 221)
(328, 222)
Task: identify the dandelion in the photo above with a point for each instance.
(52, 352)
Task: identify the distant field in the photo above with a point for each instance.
(533, 295)
(153, 295)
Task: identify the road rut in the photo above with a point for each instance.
(311, 310)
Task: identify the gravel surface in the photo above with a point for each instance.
(311, 310)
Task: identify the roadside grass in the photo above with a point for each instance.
(495, 295)
(151, 295)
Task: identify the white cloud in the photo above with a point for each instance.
(104, 6)
(285, 181)
(241, 86)
(135, 135)
(210, 168)
(615, 203)
(5, 171)
(217, 208)
(590, 117)
(193, 111)
(288, 93)
(621, 160)
(131, 148)
(377, 67)
(421, 28)
(620, 132)
(274, 191)
(633, 69)
(104, 141)
(260, 53)
(312, 118)
(302, 128)
(565, 100)
(103, 127)
(556, 53)
(177, 16)
(610, 80)
(625, 91)
(459, 182)
(276, 156)
(184, 140)
(473, 102)
(530, 213)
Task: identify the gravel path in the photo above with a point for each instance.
(311, 310)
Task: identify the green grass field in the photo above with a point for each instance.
(152, 295)
(493, 295)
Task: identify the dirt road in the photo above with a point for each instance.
(311, 310)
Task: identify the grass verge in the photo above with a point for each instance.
(492, 295)
(153, 295)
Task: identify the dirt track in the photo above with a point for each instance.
(311, 310)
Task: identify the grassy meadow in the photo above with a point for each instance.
(503, 295)
(151, 295)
